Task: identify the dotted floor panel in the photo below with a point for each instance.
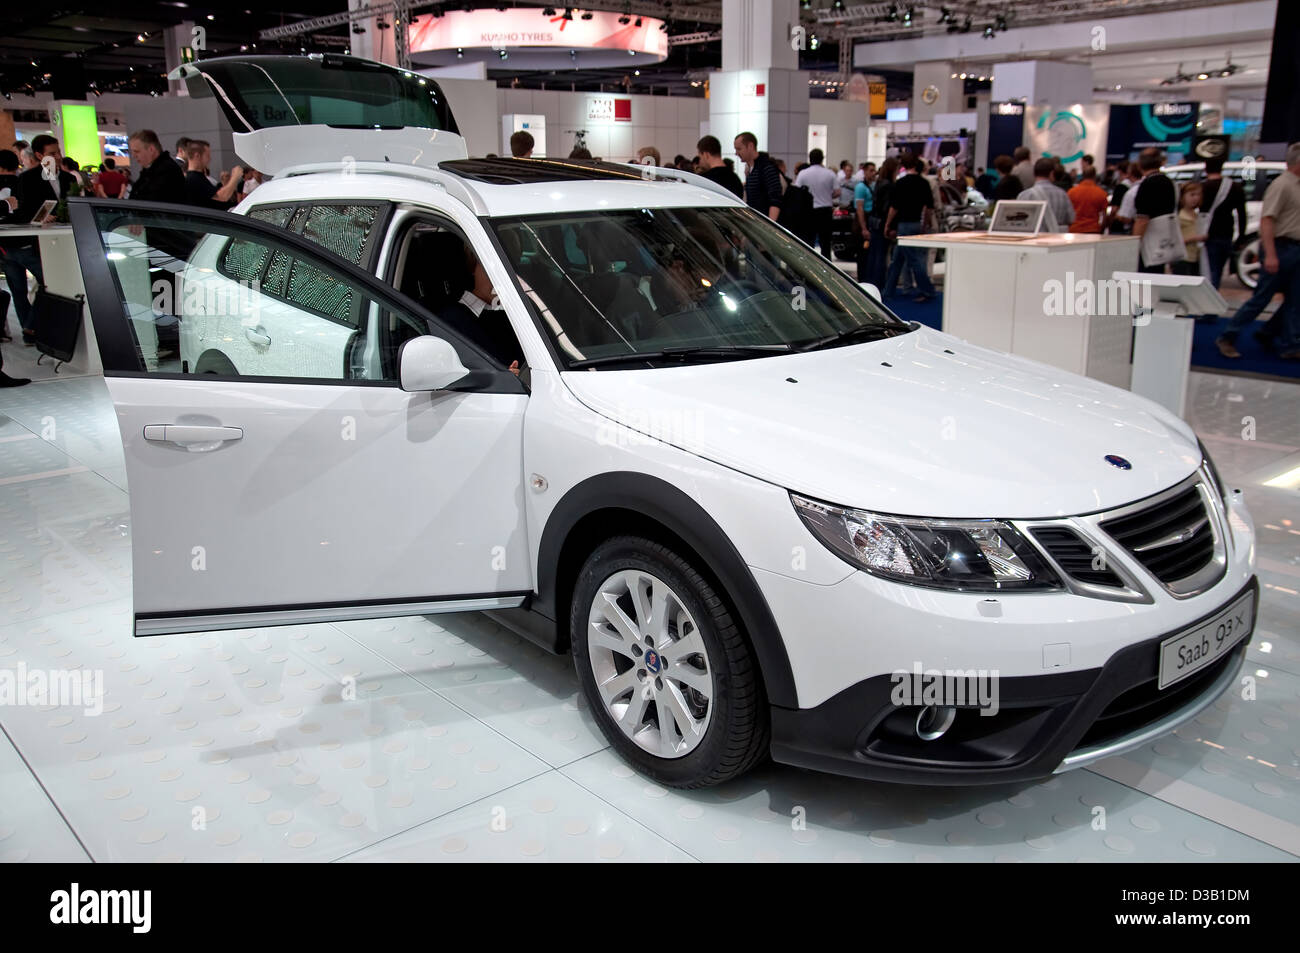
(449, 738)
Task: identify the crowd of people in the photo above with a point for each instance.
(35, 173)
(1189, 229)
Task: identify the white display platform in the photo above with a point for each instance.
(63, 277)
(996, 294)
(1162, 338)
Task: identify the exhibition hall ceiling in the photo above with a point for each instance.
(119, 46)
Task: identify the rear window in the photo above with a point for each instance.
(259, 92)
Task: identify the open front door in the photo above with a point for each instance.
(278, 473)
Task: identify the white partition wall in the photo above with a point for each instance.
(616, 125)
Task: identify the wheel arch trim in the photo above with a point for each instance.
(682, 516)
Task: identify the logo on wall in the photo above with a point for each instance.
(930, 95)
(1210, 147)
(609, 109)
(1066, 132)
(1168, 122)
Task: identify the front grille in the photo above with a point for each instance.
(1173, 539)
(1075, 557)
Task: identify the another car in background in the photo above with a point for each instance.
(1255, 178)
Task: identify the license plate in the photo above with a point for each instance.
(1185, 654)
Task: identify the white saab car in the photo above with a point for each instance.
(642, 424)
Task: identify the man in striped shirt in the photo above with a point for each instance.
(1060, 213)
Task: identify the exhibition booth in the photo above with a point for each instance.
(429, 502)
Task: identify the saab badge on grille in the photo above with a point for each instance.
(1119, 462)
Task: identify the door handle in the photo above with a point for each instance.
(258, 336)
(191, 436)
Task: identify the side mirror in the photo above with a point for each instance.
(429, 363)
(870, 289)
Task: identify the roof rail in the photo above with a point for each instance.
(669, 174)
(455, 187)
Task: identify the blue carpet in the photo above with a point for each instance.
(1205, 356)
(930, 314)
(1254, 359)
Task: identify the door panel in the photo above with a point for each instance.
(306, 484)
(333, 495)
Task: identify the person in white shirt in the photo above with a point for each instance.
(842, 177)
(820, 182)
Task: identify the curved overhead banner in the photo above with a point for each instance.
(525, 38)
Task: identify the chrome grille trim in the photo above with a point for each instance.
(1129, 564)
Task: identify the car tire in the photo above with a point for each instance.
(1245, 261)
(711, 697)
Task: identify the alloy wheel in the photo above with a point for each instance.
(650, 663)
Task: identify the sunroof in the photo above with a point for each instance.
(524, 171)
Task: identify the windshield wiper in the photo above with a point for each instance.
(863, 332)
(684, 353)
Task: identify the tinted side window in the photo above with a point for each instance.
(202, 297)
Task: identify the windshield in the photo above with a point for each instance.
(666, 282)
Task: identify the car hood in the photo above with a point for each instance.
(923, 424)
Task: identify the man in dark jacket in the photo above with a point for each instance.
(763, 188)
(160, 178)
(45, 181)
(1218, 244)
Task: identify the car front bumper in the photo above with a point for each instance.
(1045, 723)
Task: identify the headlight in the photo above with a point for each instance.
(973, 555)
(1214, 472)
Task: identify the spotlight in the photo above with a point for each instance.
(1000, 24)
(549, 12)
(625, 19)
(568, 13)
(988, 32)
(587, 15)
(382, 24)
(503, 54)
(358, 28)
(460, 53)
(945, 16)
(638, 22)
(813, 42)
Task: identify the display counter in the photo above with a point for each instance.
(63, 277)
(1041, 297)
